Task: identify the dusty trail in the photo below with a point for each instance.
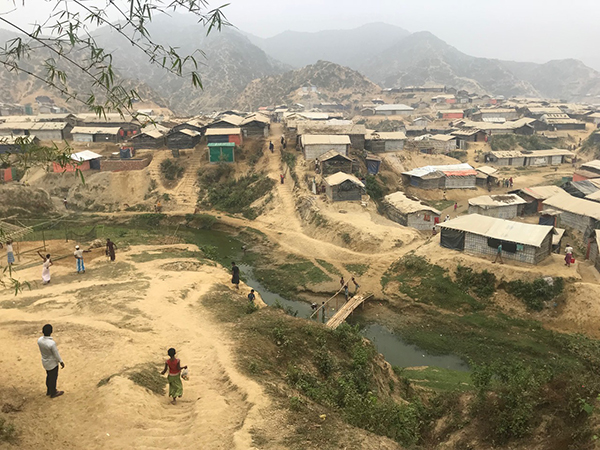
(102, 329)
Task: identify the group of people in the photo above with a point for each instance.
(344, 285)
(77, 254)
(507, 182)
(51, 360)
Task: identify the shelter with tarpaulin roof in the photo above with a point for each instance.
(535, 196)
(85, 160)
(410, 212)
(481, 235)
(343, 187)
(578, 213)
(183, 138)
(503, 206)
(373, 164)
(333, 162)
(486, 175)
(449, 176)
(220, 135)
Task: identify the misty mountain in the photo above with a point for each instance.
(346, 47)
(334, 83)
(229, 63)
(422, 57)
(20, 87)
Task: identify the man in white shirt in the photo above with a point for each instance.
(79, 258)
(50, 360)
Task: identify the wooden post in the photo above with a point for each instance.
(44, 239)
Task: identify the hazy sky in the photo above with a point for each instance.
(533, 30)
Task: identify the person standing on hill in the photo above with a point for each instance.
(282, 177)
(45, 267)
(110, 249)
(173, 365)
(356, 285)
(78, 254)
(346, 291)
(10, 255)
(271, 146)
(499, 255)
(455, 206)
(251, 296)
(235, 275)
(342, 282)
(568, 255)
(50, 360)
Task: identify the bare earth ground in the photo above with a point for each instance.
(117, 316)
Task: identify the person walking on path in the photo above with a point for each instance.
(568, 255)
(10, 254)
(271, 146)
(455, 206)
(346, 291)
(45, 267)
(173, 365)
(251, 296)
(65, 202)
(510, 182)
(78, 254)
(282, 177)
(235, 275)
(499, 255)
(110, 249)
(342, 282)
(356, 285)
(50, 361)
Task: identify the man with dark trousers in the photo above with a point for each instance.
(50, 360)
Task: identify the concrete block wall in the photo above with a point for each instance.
(417, 220)
(467, 182)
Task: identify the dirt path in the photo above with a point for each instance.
(103, 329)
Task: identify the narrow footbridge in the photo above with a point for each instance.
(339, 317)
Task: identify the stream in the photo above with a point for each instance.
(389, 344)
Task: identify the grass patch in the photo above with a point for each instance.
(166, 254)
(357, 269)
(440, 204)
(149, 377)
(329, 267)
(516, 141)
(8, 432)
(286, 279)
(438, 378)
(429, 283)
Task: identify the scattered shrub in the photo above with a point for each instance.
(535, 293)
(373, 187)
(482, 284)
(171, 169)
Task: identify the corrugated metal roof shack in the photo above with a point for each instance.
(481, 235)
(534, 196)
(180, 139)
(410, 213)
(452, 176)
(221, 135)
(317, 145)
(506, 206)
(97, 134)
(343, 187)
(84, 160)
(333, 162)
(256, 125)
(356, 132)
(578, 213)
(378, 141)
(152, 136)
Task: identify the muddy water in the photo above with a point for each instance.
(394, 349)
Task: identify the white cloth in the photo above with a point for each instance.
(50, 356)
(46, 271)
(569, 250)
(9, 248)
(78, 253)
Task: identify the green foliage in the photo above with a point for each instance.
(374, 187)
(286, 279)
(516, 141)
(535, 293)
(346, 238)
(171, 169)
(147, 220)
(357, 268)
(508, 395)
(236, 196)
(461, 155)
(328, 267)
(290, 159)
(482, 284)
(429, 283)
(388, 125)
(203, 221)
(8, 432)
